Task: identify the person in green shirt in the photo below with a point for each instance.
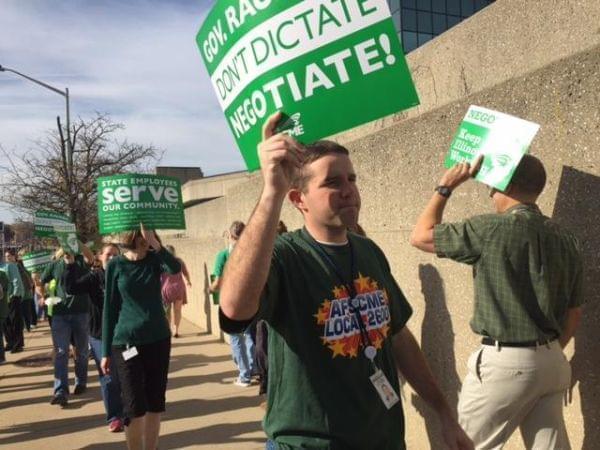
(242, 344)
(70, 321)
(3, 311)
(16, 291)
(528, 297)
(136, 339)
(336, 317)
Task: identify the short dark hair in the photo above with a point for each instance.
(313, 152)
(235, 230)
(529, 176)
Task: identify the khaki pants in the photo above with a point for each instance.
(508, 387)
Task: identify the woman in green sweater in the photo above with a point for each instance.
(136, 340)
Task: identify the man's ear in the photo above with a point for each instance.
(296, 197)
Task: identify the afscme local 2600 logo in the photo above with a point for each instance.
(341, 330)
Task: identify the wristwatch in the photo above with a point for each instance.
(444, 191)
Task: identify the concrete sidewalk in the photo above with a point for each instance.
(204, 408)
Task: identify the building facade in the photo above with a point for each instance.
(419, 21)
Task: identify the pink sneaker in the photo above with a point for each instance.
(115, 426)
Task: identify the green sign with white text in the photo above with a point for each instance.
(58, 225)
(502, 139)
(37, 260)
(125, 201)
(45, 221)
(330, 65)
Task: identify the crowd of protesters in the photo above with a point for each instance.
(327, 386)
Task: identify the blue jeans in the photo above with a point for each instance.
(242, 349)
(63, 325)
(109, 384)
(270, 445)
(38, 309)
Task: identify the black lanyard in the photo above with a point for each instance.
(353, 302)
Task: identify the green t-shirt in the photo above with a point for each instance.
(70, 304)
(133, 309)
(527, 271)
(218, 270)
(3, 296)
(320, 394)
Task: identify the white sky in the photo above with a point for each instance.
(136, 60)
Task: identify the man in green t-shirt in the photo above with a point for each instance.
(336, 317)
(242, 344)
(528, 296)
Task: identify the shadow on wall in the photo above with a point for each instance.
(206, 302)
(437, 343)
(577, 208)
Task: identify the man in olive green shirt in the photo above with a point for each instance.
(528, 297)
(336, 316)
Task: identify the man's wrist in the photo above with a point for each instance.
(272, 195)
(444, 190)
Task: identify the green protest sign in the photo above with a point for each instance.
(67, 238)
(502, 138)
(126, 200)
(37, 260)
(58, 225)
(44, 222)
(330, 65)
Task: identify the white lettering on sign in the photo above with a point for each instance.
(124, 194)
(294, 32)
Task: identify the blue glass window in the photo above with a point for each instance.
(453, 7)
(467, 8)
(439, 23)
(424, 22)
(409, 41)
(423, 37)
(409, 20)
(438, 6)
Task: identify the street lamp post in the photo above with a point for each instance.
(65, 94)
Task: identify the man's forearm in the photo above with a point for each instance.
(422, 235)
(571, 324)
(414, 368)
(248, 265)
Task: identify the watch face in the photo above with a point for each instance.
(443, 190)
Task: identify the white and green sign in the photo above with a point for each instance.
(45, 222)
(502, 139)
(37, 260)
(329, 65)
(125, 201)
(58, 225)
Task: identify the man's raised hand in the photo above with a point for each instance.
(280, 156)
(460, 173)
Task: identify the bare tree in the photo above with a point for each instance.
(41, 179)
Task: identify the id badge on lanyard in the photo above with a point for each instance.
(129, 353)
